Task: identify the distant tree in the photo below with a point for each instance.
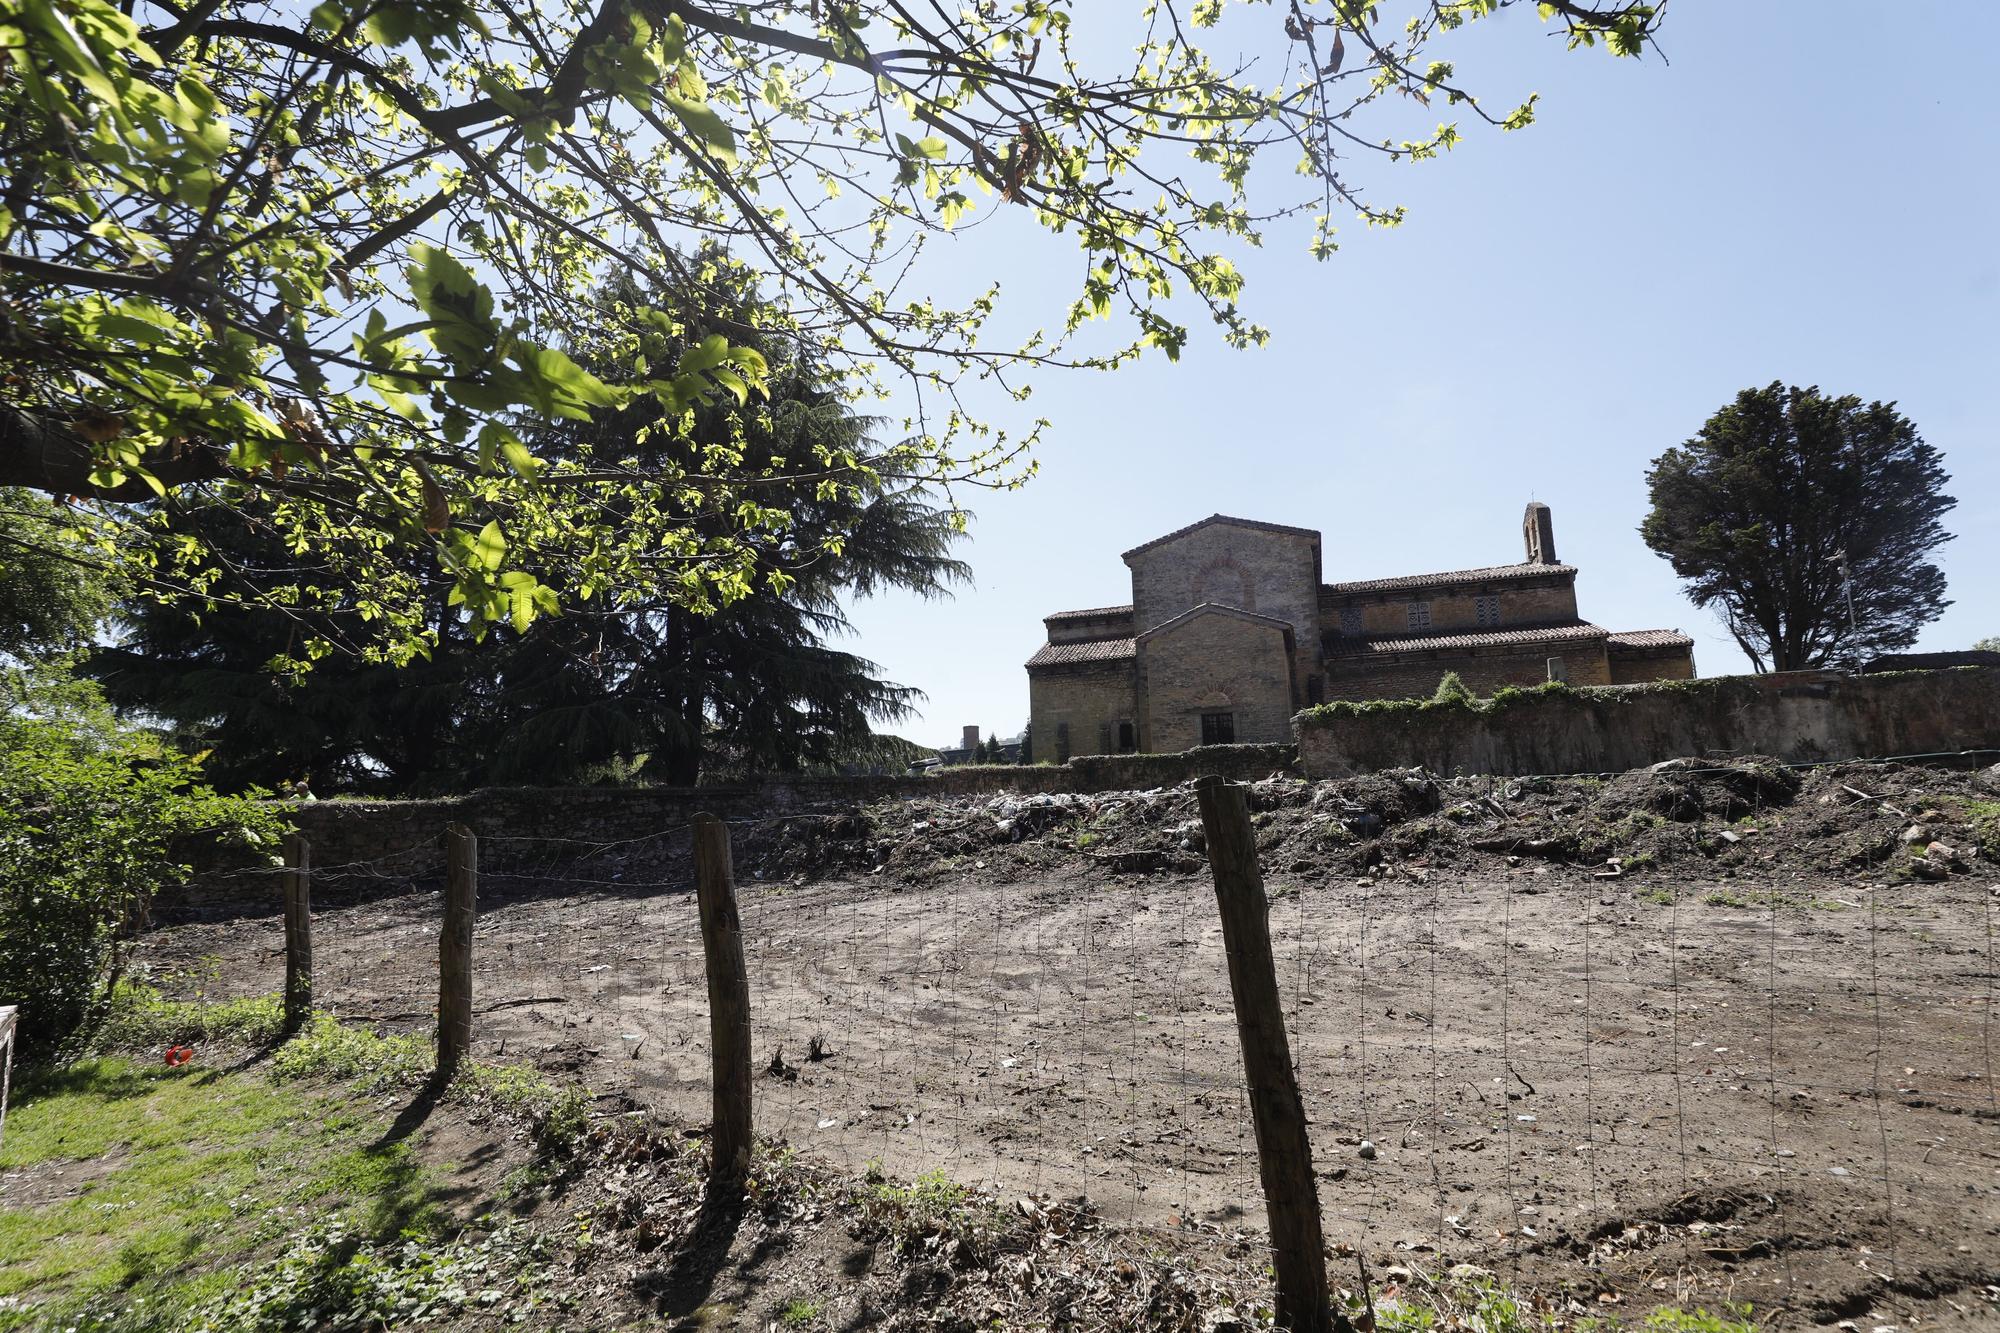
(878, 754)
(1788, 500)
(1451, 689)
(1028, 744)
(1988, 645)
(53, 590)
(750, 684)
(230, 678)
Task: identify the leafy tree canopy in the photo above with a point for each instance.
(333, 259)
(95, 819)
(53, 590)
(1990, 644)
(1806, 522)
(630, 678)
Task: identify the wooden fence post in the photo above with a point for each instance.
(728, 1000)
(297, 881)
(8, 1016)
(461, 896)
(1284, 1154)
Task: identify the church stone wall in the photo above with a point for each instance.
(1796, 717)
(1090, 629)
(1362, 679)
(1634, 668)
(1216, 663)
(1274, 574)
(1452, 606)
(1089, 700)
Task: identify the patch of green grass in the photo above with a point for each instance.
(137, 1017)
(931, 1202)
(336, 1277)
(800, 1313)
(182, 1175)
(329, 1049)
(1984, 816)
(371, 1062)
(1632, 823)
(178, 1174)
(1479, 1301)
(932, 1194)
(1729, 1320)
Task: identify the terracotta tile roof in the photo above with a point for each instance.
(1490, 574)
(1580, 632)
(1649, 638)
(1092, 613)
(1258, 524)
(1097, 650)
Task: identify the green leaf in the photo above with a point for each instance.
(392, 24)
(520, 459)
(490, 547)
(705, 125)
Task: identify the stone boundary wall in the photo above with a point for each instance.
(1797, 717)
(523, 823)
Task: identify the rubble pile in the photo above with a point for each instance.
(1742, 812)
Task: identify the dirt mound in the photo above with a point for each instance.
(1687, 790)
(1743, 813)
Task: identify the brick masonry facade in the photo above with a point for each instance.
(1215, 662)
(1078, 710)
(1231, 631)
(1416, 675)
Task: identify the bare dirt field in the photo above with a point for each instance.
(1745, 1077)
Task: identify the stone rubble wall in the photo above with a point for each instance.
(1796, 717)
(519, 825)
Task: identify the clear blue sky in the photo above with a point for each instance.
(1803, 194)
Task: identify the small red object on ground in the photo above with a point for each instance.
(178, 1056)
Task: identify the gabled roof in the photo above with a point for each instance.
(1445, 578)
(1091, 613)
(1256, 524)
(1579, 632)
(1216, 609)
(1649, 638)
(1094, 650)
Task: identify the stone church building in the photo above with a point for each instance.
(1230, 631)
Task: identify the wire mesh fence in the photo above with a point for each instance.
(1495, 1065)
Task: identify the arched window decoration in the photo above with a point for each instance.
(1225, 583)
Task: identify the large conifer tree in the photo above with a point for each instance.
(1807, 522)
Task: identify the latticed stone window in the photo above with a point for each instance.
(1486, 611)
(1420, 615)
(1350, 621)
(1218, 728)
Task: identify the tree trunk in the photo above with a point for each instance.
(683, 761)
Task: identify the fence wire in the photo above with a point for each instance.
(1495, 1064)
